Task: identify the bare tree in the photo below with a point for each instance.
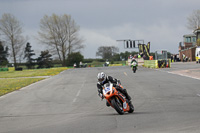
(107, 52)
(194, 20)
(11, 29)
(61, 34)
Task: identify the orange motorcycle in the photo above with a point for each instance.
(116, 99)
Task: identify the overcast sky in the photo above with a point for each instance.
(102, 22)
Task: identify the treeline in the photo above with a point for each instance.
(58, 33)
(44, 60)
(112, 53)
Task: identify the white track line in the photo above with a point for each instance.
(78, 93)
(125, 73)
(178, 74)
(184, 75)
(198, 95)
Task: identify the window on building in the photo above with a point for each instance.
(194, 39)
(188, 39)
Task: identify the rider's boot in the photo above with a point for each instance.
(129, 99)
(127, 96)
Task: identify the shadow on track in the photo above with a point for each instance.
(115, 114)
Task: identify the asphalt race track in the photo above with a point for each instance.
(164, 102)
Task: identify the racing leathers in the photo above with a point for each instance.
(134, 61)
(115, 83)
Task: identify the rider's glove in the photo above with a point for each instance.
(118, 82)
(101, 95)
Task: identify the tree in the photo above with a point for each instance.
(3, 55)
(11, 29)
(169, 55)
(28, 53)
(194, 20)
(75, 57)
(61, 34)
(116, 57)
(125, 55)
(107, 52)
(45, 60)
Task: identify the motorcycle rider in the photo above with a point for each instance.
(133, 60)
(103, 79)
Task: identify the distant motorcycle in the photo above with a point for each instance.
(134, 66)
(116, 99)
(106, 64)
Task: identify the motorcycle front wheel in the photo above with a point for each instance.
(134, 69)
(131, 108)
(118, 106)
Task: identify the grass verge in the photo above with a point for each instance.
(9, 85)
(31, 73)
(11, 80)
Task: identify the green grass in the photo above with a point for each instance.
(11, 80)
(31, 73)
(9, 85)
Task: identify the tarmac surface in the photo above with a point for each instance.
(166, 100)
(188, 69)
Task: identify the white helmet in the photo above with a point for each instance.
(101, 77)
(133, 59)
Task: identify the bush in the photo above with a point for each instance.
(74, 58)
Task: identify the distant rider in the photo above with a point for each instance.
(133, 60)
(103, 79)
